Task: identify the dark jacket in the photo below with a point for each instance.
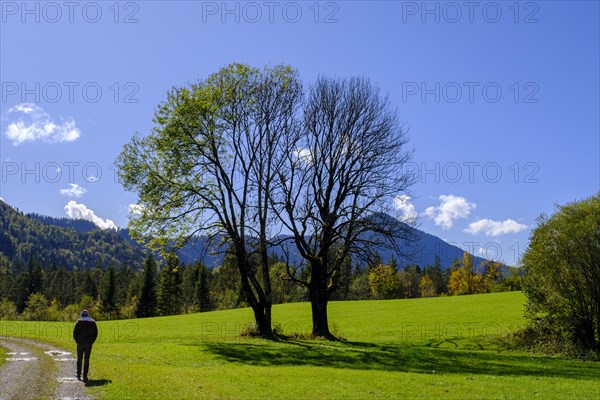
(85, 331)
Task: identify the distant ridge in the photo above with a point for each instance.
(81, 244)
(62, 242)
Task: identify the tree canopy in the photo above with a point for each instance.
(209, 166)
(562, 280)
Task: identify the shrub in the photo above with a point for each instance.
(562, 280)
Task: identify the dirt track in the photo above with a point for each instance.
(36, 370)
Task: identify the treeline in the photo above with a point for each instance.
(168, 287)
(463, 277)
(55, 293)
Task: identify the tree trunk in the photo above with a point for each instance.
(262, 311)
(268, 321)
(319, 298)
(262, 316)
(260, 306)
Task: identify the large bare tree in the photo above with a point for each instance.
(343, 170)
(209, 166)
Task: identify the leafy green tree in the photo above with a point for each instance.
(146, 306)
(202, 288)
(125, 277)
(37, 308)
(109, 292)
(437, 276)
(562, 274)
(513, 281)
(21, 291)
(169, 288)
(89, 303)
(35, 276)
(492, 276)
(189, 276)
(195, 288)
(210, 166)
(59, 285)
(85, 284)
(359, 288)
(8, 310)
(342, 280)
(7, 278)
(284, 289)
(228, 291)
(410, 278)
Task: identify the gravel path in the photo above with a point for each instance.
(36, 370)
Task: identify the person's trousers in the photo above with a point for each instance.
(84, 350)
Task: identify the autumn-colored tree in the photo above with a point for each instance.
(384, 282)
(427, 287)
(406, 284)
(465, 280)
(456, 283)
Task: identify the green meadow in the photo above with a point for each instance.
(452, 347)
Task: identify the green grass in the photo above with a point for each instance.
(2, 356)
(450, 347)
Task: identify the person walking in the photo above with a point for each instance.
(85, 334)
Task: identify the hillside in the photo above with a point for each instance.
(79, 243)
(22, 235)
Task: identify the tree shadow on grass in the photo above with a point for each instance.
(97, 382)
(401, 358)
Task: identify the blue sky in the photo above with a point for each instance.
(501, 99)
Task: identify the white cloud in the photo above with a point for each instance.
(80, 211)
(303, 154)
(25, 108)
(35, 124)
(450, 209)
(495, 228)
(403, 204)
(74, 191)
(92, 179)
(489, 252)
(135, 209)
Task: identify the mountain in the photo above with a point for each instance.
(79, 243)
(424, 249)
(80, 225)
(421, 249)
(68, 243)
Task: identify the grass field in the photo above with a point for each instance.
(449, 347)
